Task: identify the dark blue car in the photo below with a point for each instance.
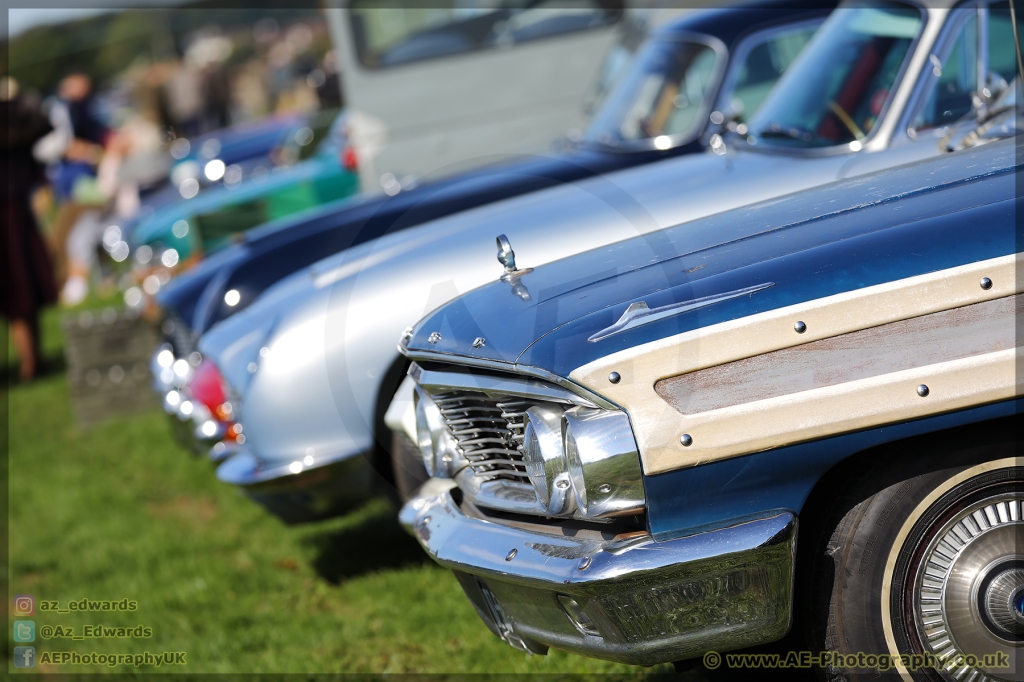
(622, 459)
(689, 81)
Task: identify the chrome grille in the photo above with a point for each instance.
(489, 432)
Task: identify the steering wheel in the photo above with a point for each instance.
(846, 120)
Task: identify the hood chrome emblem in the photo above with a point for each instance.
(479, 342)
(507, 257)
(638, 314)
(434, 337)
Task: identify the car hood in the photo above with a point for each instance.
(816, 243)
(296, 241)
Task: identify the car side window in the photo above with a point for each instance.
(955, 78)
(950, 95)
(768, 56)
(1002, 57)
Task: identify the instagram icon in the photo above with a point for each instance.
(24, 605)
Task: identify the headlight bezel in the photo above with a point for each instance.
(608, 478)
(545, 460)
(603, 462)
(436, 444)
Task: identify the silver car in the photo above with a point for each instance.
(314, 364)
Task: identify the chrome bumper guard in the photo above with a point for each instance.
(627, 599)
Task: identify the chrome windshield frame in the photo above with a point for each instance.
(746, 43)
(941, 48)
(722, 63)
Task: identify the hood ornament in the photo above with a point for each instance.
(507, 257)
(638, 314)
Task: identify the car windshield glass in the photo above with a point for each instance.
(835, 91)
(660, 97)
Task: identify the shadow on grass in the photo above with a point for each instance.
(50, 366)
(378, 543)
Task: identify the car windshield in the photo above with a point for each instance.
(660, 98)
(836, 90)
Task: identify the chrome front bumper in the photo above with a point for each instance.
(302, 493)
(628, 598)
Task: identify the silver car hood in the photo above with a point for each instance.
(332, 330)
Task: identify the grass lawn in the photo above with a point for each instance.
(121, 511)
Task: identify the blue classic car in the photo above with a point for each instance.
(622, 459)
(713, 61)
(312, 364)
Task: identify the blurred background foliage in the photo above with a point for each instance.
(103, 46)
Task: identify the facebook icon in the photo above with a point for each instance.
(24, 657)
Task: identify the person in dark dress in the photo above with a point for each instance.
(30, 283)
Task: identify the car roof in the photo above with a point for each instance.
(730, 23)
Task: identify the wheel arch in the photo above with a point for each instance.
(389, 384)
(870, 471)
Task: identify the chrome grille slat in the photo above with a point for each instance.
(470, 431)
(467, 420)
(465, 443)
(488, 431)
(498, 462)
(472, 457)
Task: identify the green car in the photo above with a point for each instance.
(316, 166)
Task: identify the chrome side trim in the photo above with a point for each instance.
(638, 314)
(649, 602)
(509, 368)
(435, 356)
(567, 384)
(493, 387)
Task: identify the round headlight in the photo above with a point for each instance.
(544, 459)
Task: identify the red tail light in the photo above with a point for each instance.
(207, 386)
(349, 159)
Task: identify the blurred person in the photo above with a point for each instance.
(132, 160)
(300, 98)
(327, 82)
(280, 71)
(184, 91)
(30, 282)
(73, 149)
(216, 95)
(151, 94)
(249, 91)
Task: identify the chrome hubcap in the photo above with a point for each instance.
(1003, 600)
(969, 591)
